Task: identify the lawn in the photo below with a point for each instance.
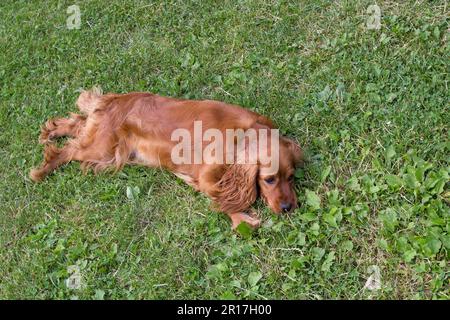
(369, 106)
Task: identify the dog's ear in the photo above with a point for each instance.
(295, 151)
(237, 190)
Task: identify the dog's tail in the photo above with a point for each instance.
(90, 100)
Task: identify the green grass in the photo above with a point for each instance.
(370, 108)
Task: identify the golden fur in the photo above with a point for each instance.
(135, 128)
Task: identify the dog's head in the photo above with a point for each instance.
(240, 184)
(277, 187)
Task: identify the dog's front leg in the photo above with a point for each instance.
(210, 179)
(250, 218)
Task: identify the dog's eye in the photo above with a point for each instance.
(291, 178)
(269, 180)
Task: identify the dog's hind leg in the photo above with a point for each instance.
(53, 158)
(93, 147)
(60, 127)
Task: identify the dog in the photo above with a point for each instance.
(138, 128)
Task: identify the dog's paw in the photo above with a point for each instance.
(47, 132)
(251, 219)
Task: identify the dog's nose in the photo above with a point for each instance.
(286, 206)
